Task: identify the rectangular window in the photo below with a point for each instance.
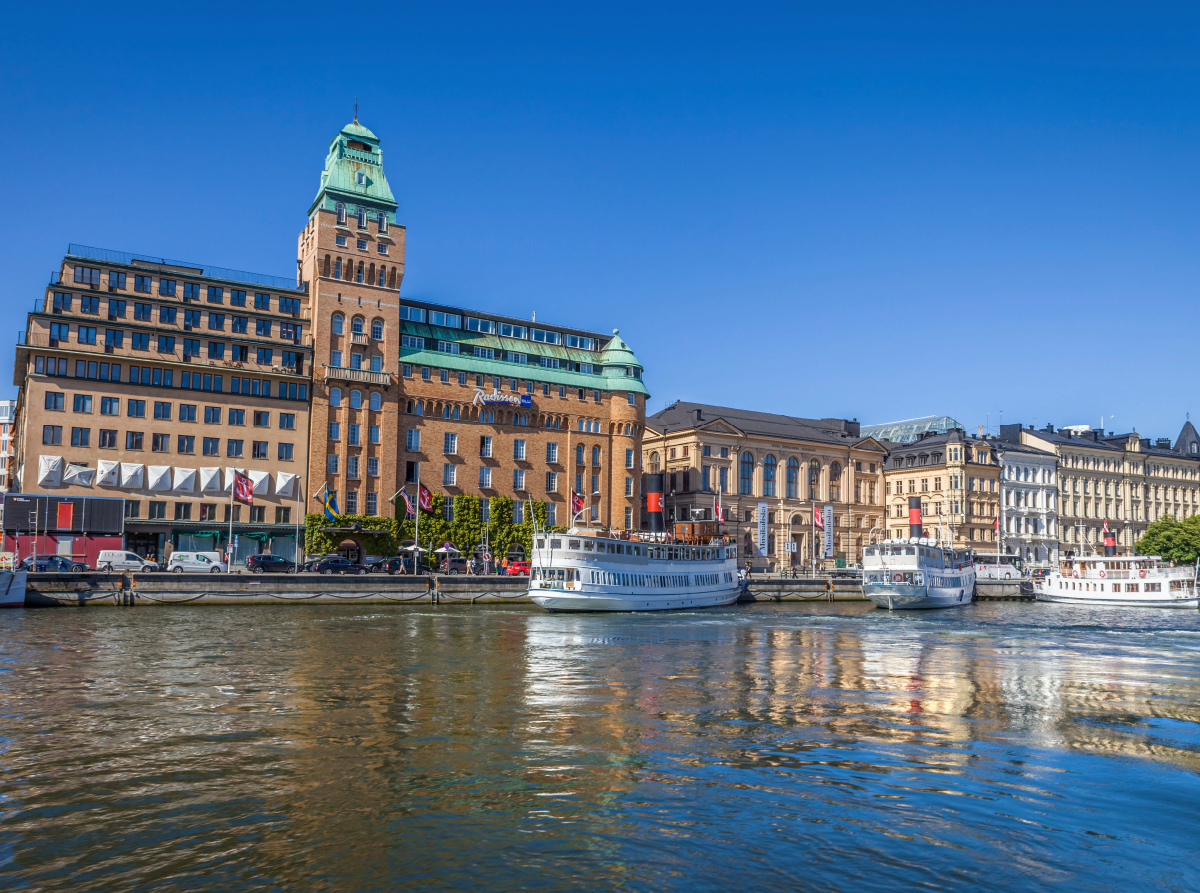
(212, 415)
(237, 416)
(158, 511)
(352, 466)
(83, 403)
(450, 443)
(552, 453)
(108, 439)
(133, 508)
(285, 452)
(135, 409)
(89, 304)
(412, 441)
(233, 449)
(373, 434)
(139, 340)
(485, 447)
(212, 446)
(80, 436)
(629, 486)
(448, 320)
(166, 287)
(551, 482)
(373, 466)
(162, 410)
(335, 430)
(262, 419)
(331, 463)
(216, 321)
(352, 434)
(287, 420)
(237, 297)
(258, 449)
(160, 443)
(261, 301)
(87, 335)
(54, 400)
(485, 478)
(185, 443)
(216, 350)
(262, 328)
(518, 484)
(518, 449)
(116, 309)
(166, 344)
(62, 301)
(143, 311)
(448, 475)
(629, 460)
(133, 440)
(216, 295)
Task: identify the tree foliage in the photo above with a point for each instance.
(1172, 539)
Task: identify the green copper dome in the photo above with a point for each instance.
(620, 367)
(354, 175)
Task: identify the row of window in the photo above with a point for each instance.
(185, 444)
(355, 400)
(170, 316)
(206, 511)
(354, 433)
(169, 288)
(362, 214)
(356, 361)
(490, 327)
(415, 342)
(412, 443)
(361, 272)
(165, 378)
(357, 326)
(514, 385)
(371, 507)
(136, 409)
(115, 338)
(353, 465)
(361, 245)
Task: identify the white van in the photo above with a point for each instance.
(196, 563)
(119, 561)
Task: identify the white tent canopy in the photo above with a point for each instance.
(131, 475)
(230, 474)
(160, 477)
(109, 471)
(261, 481)
(210, 480)
(185, 480)
(79, 475)
(50, 471)
(447, 549)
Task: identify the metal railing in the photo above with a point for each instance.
(364, 376)
(106, 255)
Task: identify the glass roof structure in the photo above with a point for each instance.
(908, 430)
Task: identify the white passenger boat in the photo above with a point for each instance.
(586, 570)
(917, 572)
(1131, 581)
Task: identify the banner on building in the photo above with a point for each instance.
(828, 531)
(762, 529)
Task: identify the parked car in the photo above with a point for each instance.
(398, 564)
(1040, 572)
(270, 564)
(196, 563)
(518, 569)
(52, 564)
(453, 564)
(336, 564)
(114, 560)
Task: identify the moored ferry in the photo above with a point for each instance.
(1131, 581)
(583, 569)
(917, 571)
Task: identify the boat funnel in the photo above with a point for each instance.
(1110, 543)
(914, 517)
(654, 503)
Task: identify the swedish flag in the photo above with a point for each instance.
(331, 509)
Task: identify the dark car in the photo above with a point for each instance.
(397, 564)
(453, 565)
(52, 564)
(336, 564)
(270, 564)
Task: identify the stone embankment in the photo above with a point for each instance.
(96, 588)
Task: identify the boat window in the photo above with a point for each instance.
(910, 551)
(611, 549)
(572, 544)
(555, 544)
(541, 543)
(587, 545)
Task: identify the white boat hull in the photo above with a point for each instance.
(899, 596)
(12, 589)
(1096, 598)
(614, 600)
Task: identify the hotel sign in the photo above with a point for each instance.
(495, 398)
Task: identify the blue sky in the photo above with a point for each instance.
(851, 210)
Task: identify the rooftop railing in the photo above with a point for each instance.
(105, 255)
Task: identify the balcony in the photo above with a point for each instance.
(363, 376)
(359, 338)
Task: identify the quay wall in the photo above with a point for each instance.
(98, 589)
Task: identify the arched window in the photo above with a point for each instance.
(356, 399)
(376, 401)
(579, 454)
(654, 463)
(835, 481)
(377, 329)
(335, 396)
(341, 213)
(746, 475)
(383, 277)
(337, 323)
(337, 269)
(356, 325)
(793, 477)
(769, 467)
(359, 276)
(596, 455)
(814, 479)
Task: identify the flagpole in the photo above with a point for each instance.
(232, 488)
(417, 529)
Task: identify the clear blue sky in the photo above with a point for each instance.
(876, 212)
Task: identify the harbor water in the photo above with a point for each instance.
(999, 746)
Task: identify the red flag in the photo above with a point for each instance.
(424, 498)
(576, 503)
(717, 510)
(1106, 525)
(818, 518)
(243, 489)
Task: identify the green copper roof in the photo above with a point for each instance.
(617, 353)
(354, 150)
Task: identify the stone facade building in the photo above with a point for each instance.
(790, 464)
(1028, 502)
(1128, 480)
(957, 479)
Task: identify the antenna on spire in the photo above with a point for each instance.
(355, 109)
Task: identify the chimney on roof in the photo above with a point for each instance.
(699, 414)
(1163, 443)
(1049, 428)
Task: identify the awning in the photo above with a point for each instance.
(160, 477)
(79, 475)
(284, 482)
(131, 475)
(261, 481)
(50, 471)
(210, 480)
(109, 472)
(185, 480)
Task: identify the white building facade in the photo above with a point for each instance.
(1028, 504)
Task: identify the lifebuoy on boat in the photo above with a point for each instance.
(1102, 575)
(1074, 573)
(1142, 572)
(897, 578)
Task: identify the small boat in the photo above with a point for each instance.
(12, 589)
(917, 571)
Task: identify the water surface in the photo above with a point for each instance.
(793, 746)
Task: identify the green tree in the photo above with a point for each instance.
(1172, 539)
